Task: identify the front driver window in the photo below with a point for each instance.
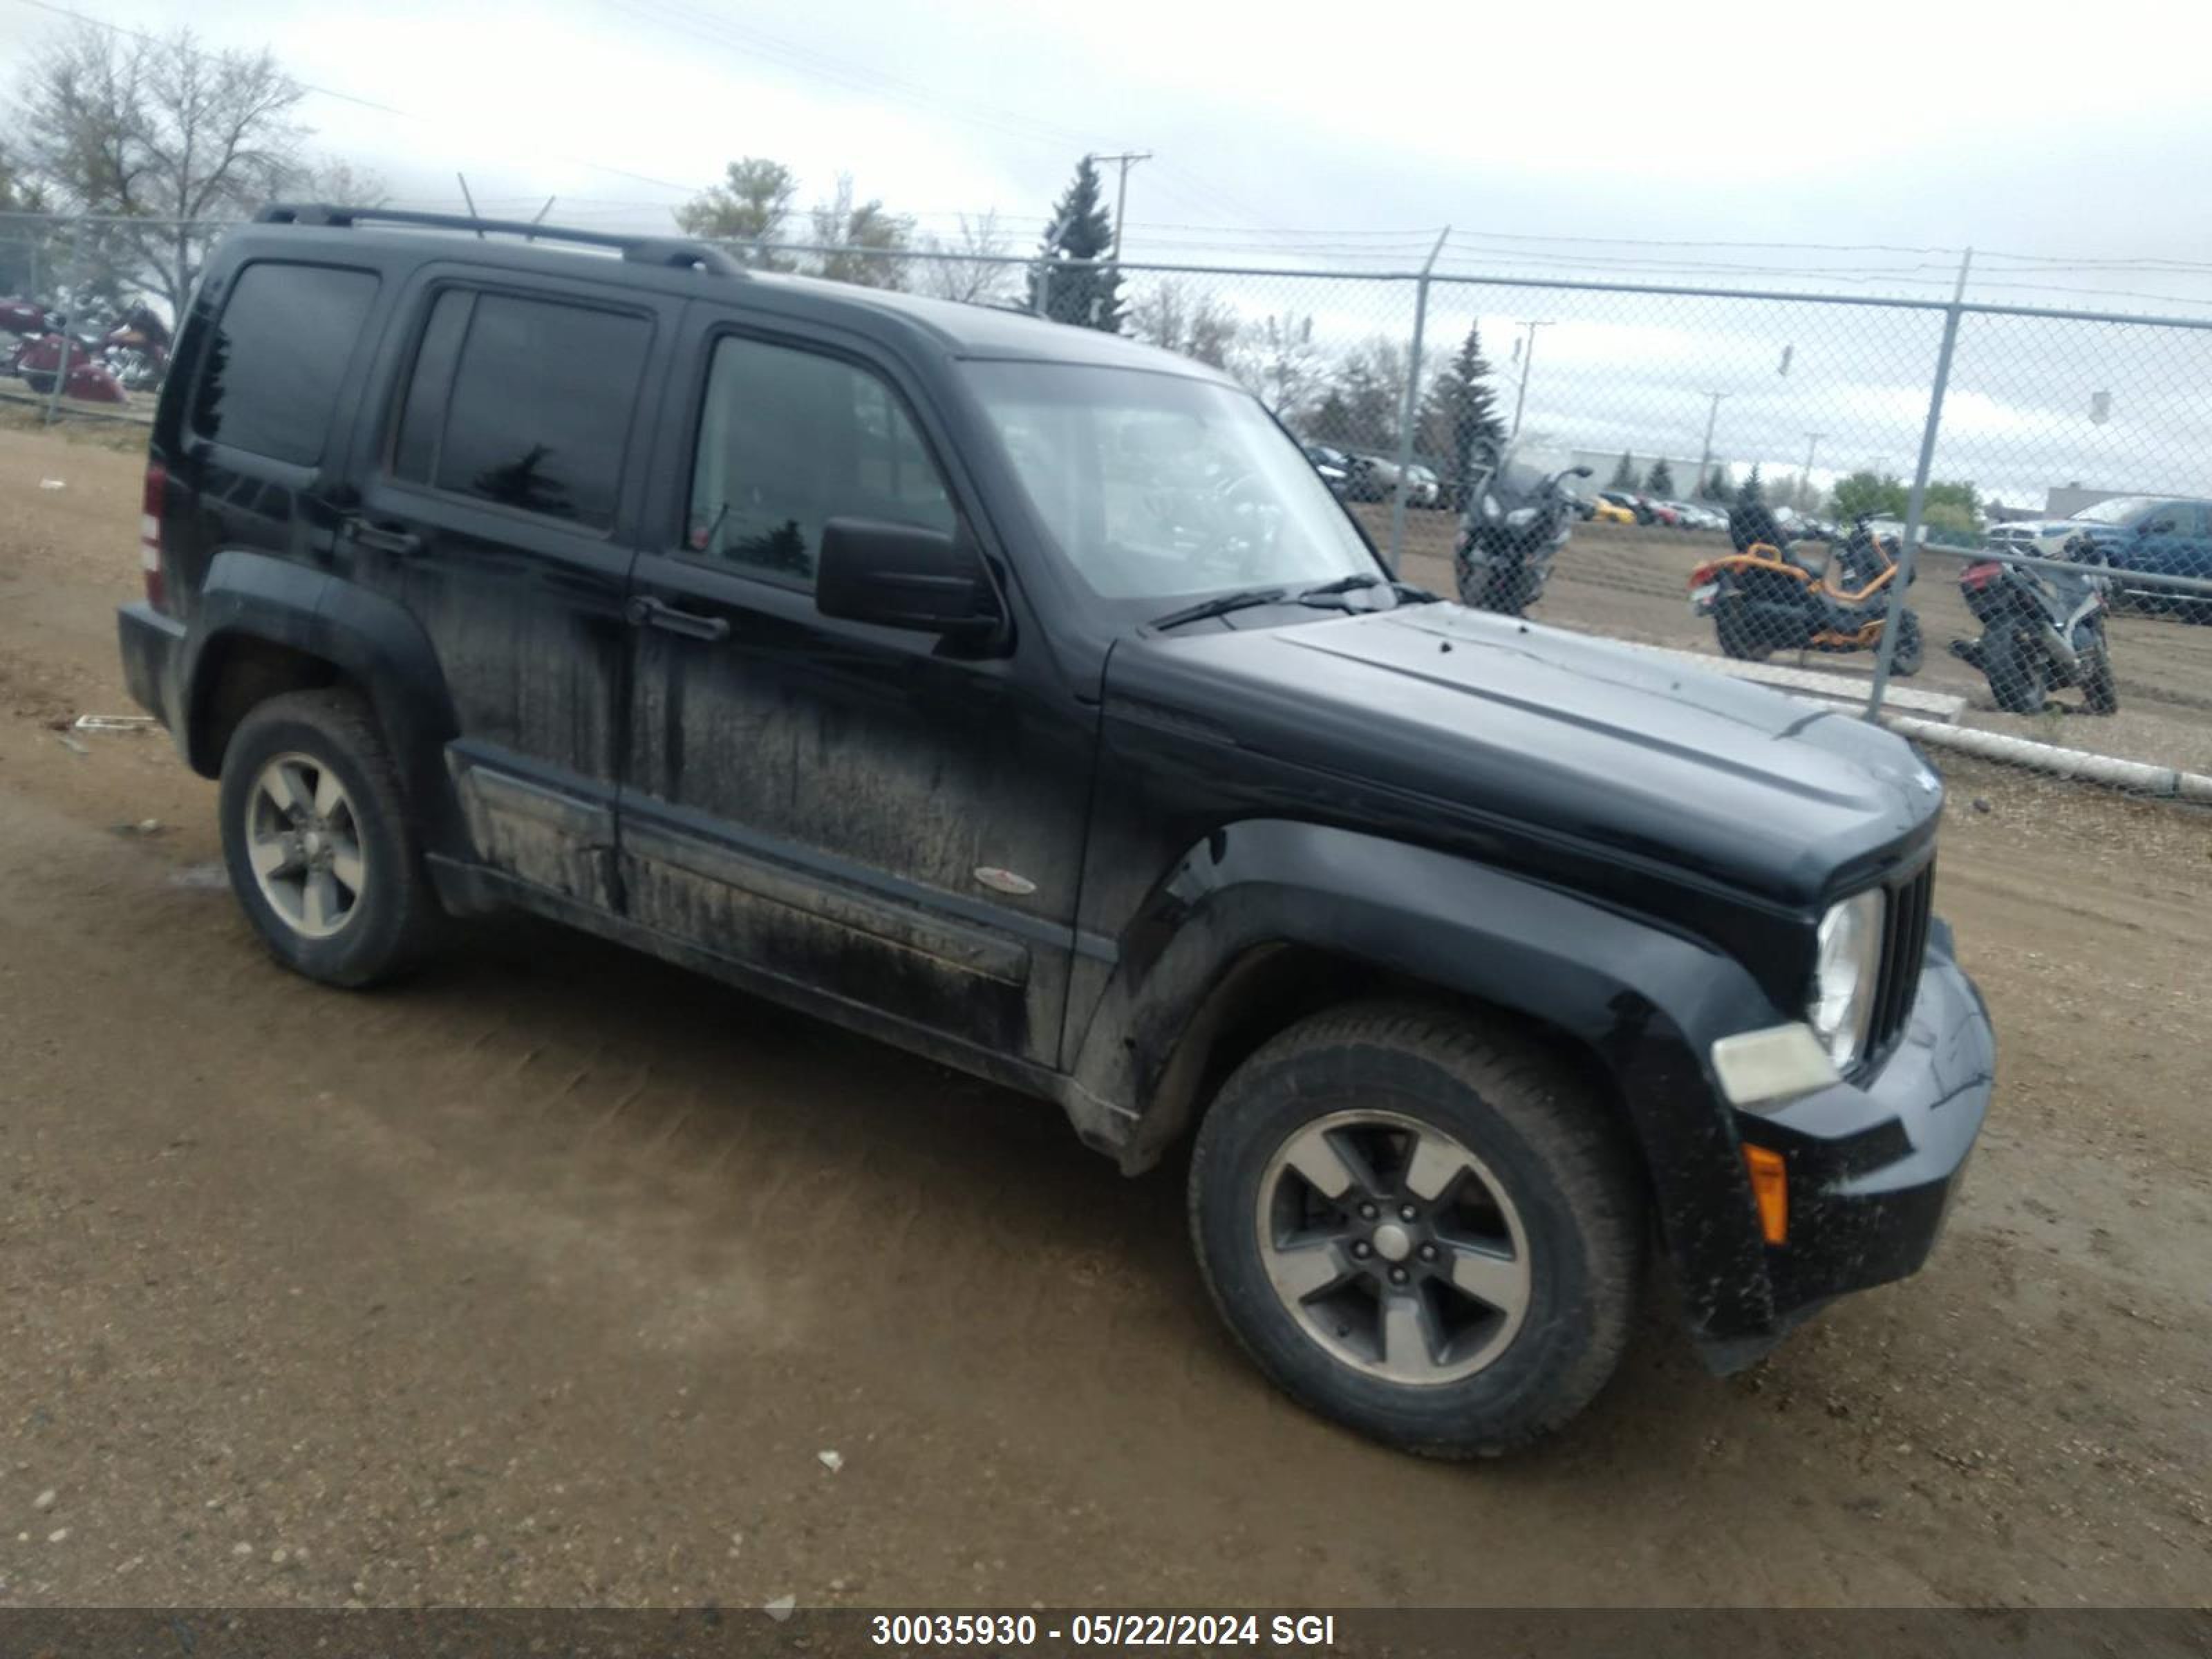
(789, 439)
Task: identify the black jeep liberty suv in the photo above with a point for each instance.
(1019, 695)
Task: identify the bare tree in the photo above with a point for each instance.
(162, 131)
(970, 269)
(1198, 326)
(338, 182)
(863, 242)
(1277, 361)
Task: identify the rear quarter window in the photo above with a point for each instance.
(270, 382)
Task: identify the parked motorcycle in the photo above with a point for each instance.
(2042, 628)
(1517, 519)
(40, 362)
(1765, 598)
(136, 350)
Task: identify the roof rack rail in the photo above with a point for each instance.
(670, 251)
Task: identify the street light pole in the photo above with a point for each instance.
(1706, 460)
(1527, 362)
(1811, 448)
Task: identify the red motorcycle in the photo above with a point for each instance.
(39, 361)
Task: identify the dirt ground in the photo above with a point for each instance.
(547, 1278)
(1631, 583)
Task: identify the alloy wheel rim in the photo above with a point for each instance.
(304, 844)
(1394, 1248)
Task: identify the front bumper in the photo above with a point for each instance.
(1872, 1168)
(153, 648)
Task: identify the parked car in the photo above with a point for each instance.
(2140, 536)
(1374, 477)
(1639, 510)
(1421, 487)
(1604, 510)
(1018, 694)
(1662, 513)
(1334, 465)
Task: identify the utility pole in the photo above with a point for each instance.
(1811, 448)
(1527, 362)
(1128, 160)
(1706, 460)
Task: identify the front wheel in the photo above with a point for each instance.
(1426, 1230)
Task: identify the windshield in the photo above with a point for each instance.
(2121, 509)
(1155, 487)
(1521, 470)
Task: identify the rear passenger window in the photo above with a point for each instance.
(271, 380)
(790, 438)
(538, 413)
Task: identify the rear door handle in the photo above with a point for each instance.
(384, 538)
(644, 612)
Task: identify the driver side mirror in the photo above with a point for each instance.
(900, 575)
(1579, 472)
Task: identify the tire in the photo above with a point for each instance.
(1905, 660)
(1562, 1211)
(2019, 678)
(1737, 632)
(365, 926)
(2101, 692)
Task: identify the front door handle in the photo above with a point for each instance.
(644, 612)
(384, 538)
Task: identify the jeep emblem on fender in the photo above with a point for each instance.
(1005, 881)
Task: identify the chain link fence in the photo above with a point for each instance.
(1990, 526)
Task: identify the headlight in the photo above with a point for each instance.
(1520, 517)
(1491, 513)
(1844, 974)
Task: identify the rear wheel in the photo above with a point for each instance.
(1737, 631)
(1420, 1228)
(2019, 678)
(2101, 692)
(321, 850)
(1905, 660)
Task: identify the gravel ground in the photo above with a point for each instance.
(552, 1276)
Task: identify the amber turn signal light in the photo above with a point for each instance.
(1770, 1190)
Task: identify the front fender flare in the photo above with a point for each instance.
(1644, 1001)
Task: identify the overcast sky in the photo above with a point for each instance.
(2053, 143)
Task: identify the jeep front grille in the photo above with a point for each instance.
(1905, 942)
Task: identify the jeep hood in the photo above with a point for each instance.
(1568, 737)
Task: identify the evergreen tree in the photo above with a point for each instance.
(1753, 493)
(1719, 486)
(1458, 423)
(1081, 231)
(1661, 480)
(1624, 476)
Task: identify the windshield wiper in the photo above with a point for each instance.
(1406, 593)
(1221, 606)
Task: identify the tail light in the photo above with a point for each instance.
(149, 532)
(1976, 577)
(1701, 575)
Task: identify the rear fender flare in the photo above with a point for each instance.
(368, 639)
